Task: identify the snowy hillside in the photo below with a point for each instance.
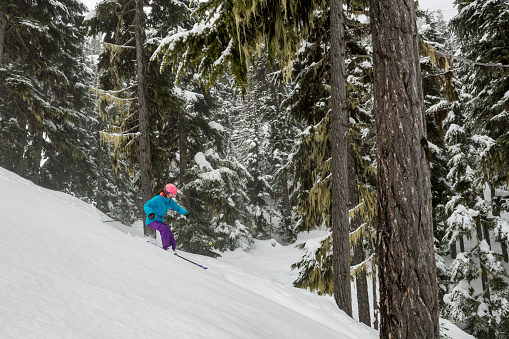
(65, 273)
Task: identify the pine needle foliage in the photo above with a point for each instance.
(117, 91)
(227, 34)
(481, 28)
(44, 100)
(476, 140)
(316, 267)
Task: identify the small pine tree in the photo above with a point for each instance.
(217, 210)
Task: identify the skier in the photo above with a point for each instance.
(155, 210)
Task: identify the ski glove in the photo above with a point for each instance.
(187, 215)
(151, 216)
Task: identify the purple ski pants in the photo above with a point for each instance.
(167, 237)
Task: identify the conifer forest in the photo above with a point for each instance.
(373, 119)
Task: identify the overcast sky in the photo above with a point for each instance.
(89, 3)
(445, 5)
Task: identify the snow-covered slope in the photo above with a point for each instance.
(65, 273)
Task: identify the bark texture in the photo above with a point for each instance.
(407, 272)
(144, 127)
(339, 124)
(359, 255)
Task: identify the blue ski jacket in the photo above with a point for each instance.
(160, 205)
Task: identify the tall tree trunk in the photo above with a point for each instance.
(339, 118)
(407, 269)
(38, 143)
(37, 156)
(3, 26)
(504, 251)
(286, 197)
(486, 232)
(490, 333)
(376, 308)
(484, 273)
(17, 154)
(361, 282)
(141, 74)
(496, 213)
(359, 255)
(454, 251)
(100, 170)
(485, 228)
(183, 153)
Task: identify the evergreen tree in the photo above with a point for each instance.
(118, 87)
(477, 141)
(250, 142)
(313, 172)
(214, 181)
(439, 99)
(218, 206)
(115, 192)
(262, 140)
(281, 141)
(46, 102)
(469, 218)
(482, 39)
(309, 103)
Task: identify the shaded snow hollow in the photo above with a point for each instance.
(66, 273)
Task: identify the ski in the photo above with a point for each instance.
(192, 262)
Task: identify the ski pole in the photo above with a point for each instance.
(192, 262)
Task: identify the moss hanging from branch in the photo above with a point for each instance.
(278, 25)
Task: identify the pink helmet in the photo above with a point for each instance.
(170, 189)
